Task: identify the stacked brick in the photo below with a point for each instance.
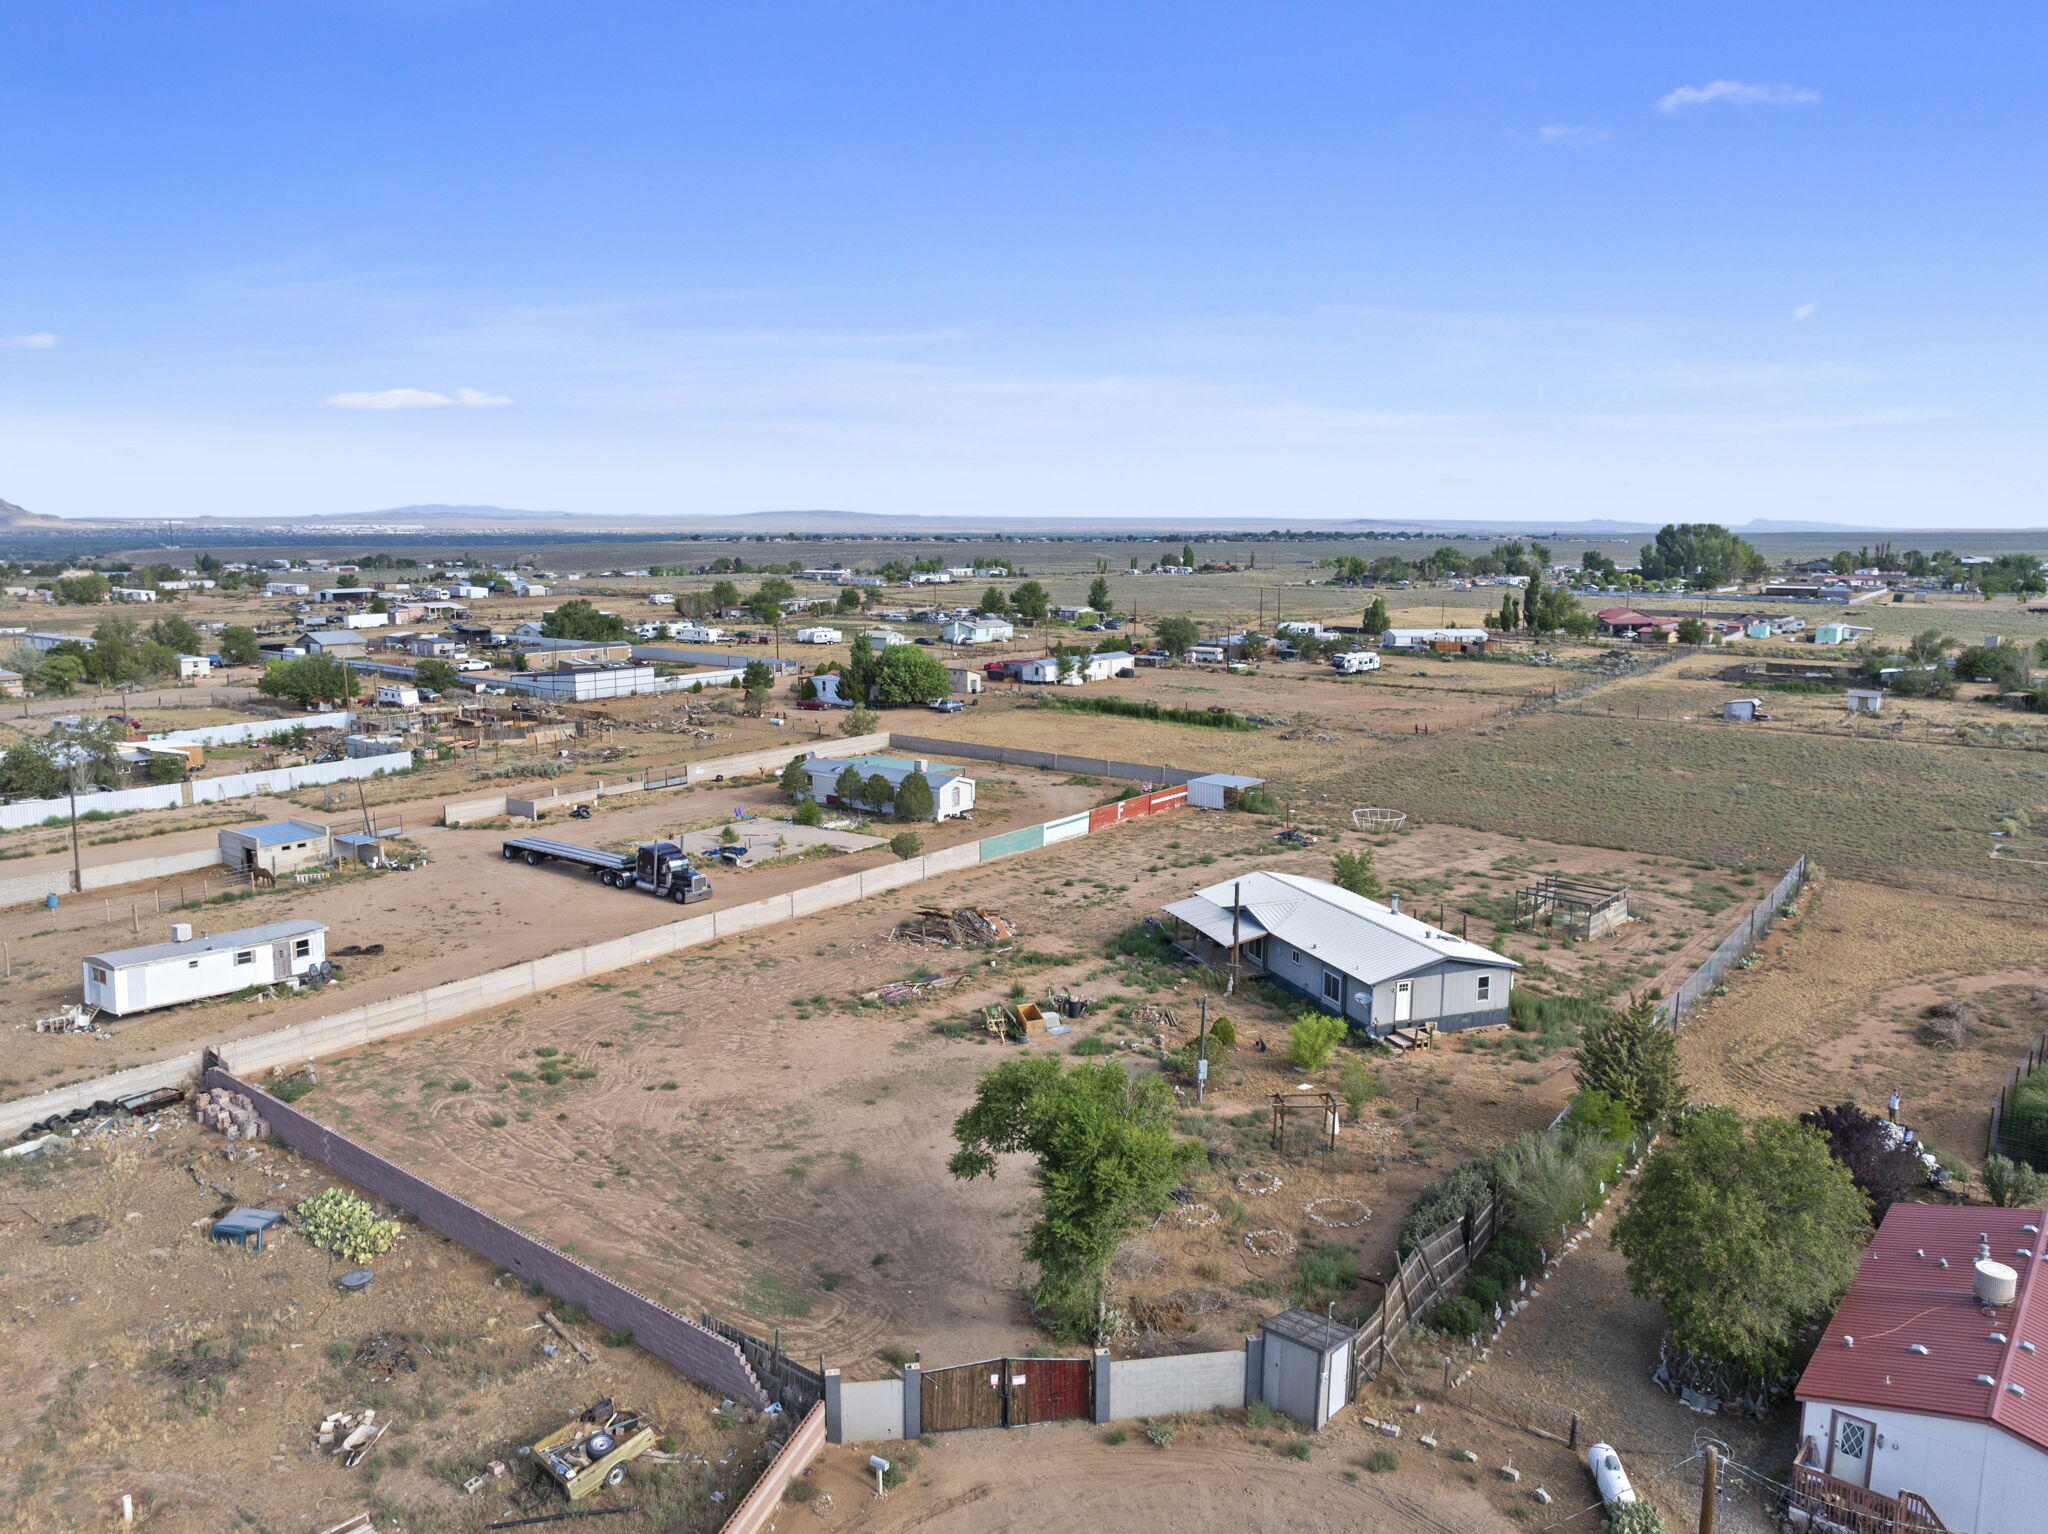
(233, 1114)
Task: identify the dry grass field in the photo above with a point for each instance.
(140, 1357)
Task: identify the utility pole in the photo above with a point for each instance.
(1707, 1482)
(1202, 1054)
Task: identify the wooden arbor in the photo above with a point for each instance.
(1325, 1103)
(1584, 910)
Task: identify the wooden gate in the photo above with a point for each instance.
(1007, 1392)
(965, 1395)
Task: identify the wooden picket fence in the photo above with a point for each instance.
(1427, 1275)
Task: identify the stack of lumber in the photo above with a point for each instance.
(231, 1113)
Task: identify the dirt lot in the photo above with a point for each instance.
(140, 1357)
(1832, 1009)
(469, 911)
(772, 1149)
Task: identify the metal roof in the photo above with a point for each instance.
(1228, 779)
(1309, 1329)
(890, 767)
(1904, 1298)
(275, 833)
(247, 937)
(1365, 939)
(331, 637)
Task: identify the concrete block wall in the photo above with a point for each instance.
(758, 1508)
(701, 1355)
(29, 888)
(18, 1114)
(1152, 1387)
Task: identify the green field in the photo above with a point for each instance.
(1867, 806)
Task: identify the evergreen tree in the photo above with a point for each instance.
(1633, 1057)
(914, 797)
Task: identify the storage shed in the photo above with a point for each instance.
(276, 846)
(1865, 700)
(1306, 1365)
(189, 968)
(1218, 790)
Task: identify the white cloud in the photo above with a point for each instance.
(1737, 93)
(414, 399)
(1805, 311)
(37, 341)
(1568, 135)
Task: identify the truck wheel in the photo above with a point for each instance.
(511, 853)
(533, 857)
(679, 895)
(607, 878)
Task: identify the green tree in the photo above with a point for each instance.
(1177, 635)
(914, 799)
(2008, 1184)
(849, 786)
(1099, 597)
(28, 772)
(239, 646)
(908, 673)
(1633, 1057)
(1353, 871)
(859, 721)
(1187, 555)
(775, 589)
(906, 844)
(1701, 554)
(1376, 619)
(1691, 631)
(436, 674)
(878, 793)
(1743, 1232)
(993, 602)
(857, 677)
(115, 655)
(1252, 647)
(848, 600)
(1106, 1155)
(724, 594)
(1031, 600)
(153, 662)
(757, 677)
(578, 619)
(57, 673)
(1312, 1038)
(2004, 666)
(309, 679)
(809, 813)
(80, 590)
(795, 780)
(177, 636)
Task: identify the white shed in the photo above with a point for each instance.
(189, 968)
(1218, 790)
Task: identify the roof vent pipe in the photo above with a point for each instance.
(1394, 902)
(1985, 1379)
(1848, 1341)
(1995, 1283)
(2018, 1390)
(1917, 1347)
(2026, 1347)
(1995, 1337)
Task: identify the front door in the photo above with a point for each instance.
(1850, 1448)
(1404, 1000)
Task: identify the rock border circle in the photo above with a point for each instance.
(1272, 1183)
(1364, 1212)
(1198, 1215)
(1270, 1243)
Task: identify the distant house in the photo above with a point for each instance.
(1351, 956)
(1085, 668)
(397, 695)
(1073, 614)
(192, 667)
(343, 643)
(1839, 633)
(131, 593)
(977, 631)
(1929, 1381)
(1423, 639)
(952, 789)
(11, 684)
(286, 589)
(1639, 627)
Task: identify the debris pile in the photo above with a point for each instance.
(73, 1017)
(961, 927)
(231, 1113)
(912, 990)
(351, 1435)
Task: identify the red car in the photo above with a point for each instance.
(812, 703)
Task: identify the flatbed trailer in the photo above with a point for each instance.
(658, 868)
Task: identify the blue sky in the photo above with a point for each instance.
(1300, 260)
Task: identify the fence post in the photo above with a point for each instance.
(835, 1423)
(913, 1400)
(1101, 1382)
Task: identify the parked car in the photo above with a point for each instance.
(946, 706)
(926, 639)
(813, 703)
(1091, 628)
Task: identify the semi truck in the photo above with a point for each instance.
(659, 868)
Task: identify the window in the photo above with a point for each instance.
(303, 949)
(101, 976)
(191, 964)
(1294, 954)
(1485, 990)
(1333, 987)
(246, 956)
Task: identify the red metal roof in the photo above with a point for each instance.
(1903, 1297)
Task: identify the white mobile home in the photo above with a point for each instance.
(952, 790)
(819, 635)
(189, 968)
(977, 631)
(1422, 639)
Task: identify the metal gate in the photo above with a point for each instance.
(1007, 1392)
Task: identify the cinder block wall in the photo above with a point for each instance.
(1152, 1387)
(700, 1355)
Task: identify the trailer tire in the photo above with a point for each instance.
(511, 853)
(616, 1476)
(607, 878)
(533, 857)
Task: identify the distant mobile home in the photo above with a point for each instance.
(188, 968)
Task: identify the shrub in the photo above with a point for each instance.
(802, 1489)
(1487, 1292)
(1515, 1254)
(343, 1223)
(1116, 1435)
(1142, 940)
(1300, 1448)
(2012, 1184)
(1223, 1031)
(1380, 1461)
(906, 844)
(809, 813)
(1258, 1414)
(1313, 1037)
(1128, 708)
(1327, 1273)
(1458, 1316)
(1162, 1431)
(1633, 1518)
(1359, 1085)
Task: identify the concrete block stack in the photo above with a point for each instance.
(233, 1114)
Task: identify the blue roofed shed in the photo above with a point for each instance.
(276, 846)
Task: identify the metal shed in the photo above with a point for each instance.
(1307, 1365)
(1865, 700)
(275, 847)
(1218, 790)
(359, 847)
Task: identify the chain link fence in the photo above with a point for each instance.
(2019, 1119)
(1699, 985)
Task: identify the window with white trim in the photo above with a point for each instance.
(246, 956)
(1484, 989)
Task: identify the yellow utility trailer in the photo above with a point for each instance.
(593, 1450)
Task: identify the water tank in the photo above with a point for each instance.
(1608, 1475)
(1996, 1284)
(181, 932)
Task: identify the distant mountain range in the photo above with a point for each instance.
(827, 520)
